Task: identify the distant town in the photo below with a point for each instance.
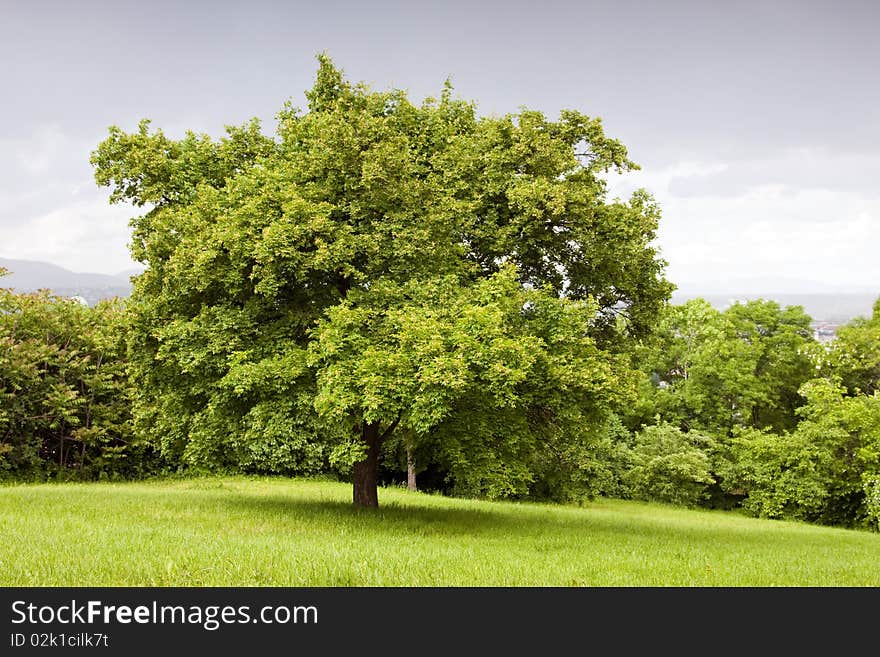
(33, 275)
(824, 331)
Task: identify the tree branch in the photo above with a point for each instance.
(390, 429)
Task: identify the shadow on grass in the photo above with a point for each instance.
(427, 516)
(407, 520)
(390, 517)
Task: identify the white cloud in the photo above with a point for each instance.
(776, 235)
(661, 179)
(85, 235)
(51, 209)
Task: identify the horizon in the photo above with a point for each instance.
(825, 307)
(746, 287)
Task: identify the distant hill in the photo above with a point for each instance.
(32, 275)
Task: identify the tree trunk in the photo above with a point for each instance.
(410, 469)
(365, 476)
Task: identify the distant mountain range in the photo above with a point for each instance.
(822, 304)
(32, 275)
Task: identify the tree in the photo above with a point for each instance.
(381, 266)
(440, 358)
(855, 353)
(64, 395)
(825, 470)
(719, 371)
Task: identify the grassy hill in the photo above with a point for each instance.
(281, 532)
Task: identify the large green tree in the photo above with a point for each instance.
(380, 266)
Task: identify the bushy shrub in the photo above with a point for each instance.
(818, 471)
(64, 394)
(670, 465)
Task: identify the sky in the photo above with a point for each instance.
(756, 124)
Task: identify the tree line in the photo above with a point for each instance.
(386, 285)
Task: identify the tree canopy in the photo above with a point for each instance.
(382, 266)
(719, 370)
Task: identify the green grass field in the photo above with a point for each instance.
(280, 532)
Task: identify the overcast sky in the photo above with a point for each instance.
(757, 124)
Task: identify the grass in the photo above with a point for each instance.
(281, 532)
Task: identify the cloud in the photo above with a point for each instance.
(777, 235)
(85, 235)
(794, 168)
(51, 209)
(662, 178)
